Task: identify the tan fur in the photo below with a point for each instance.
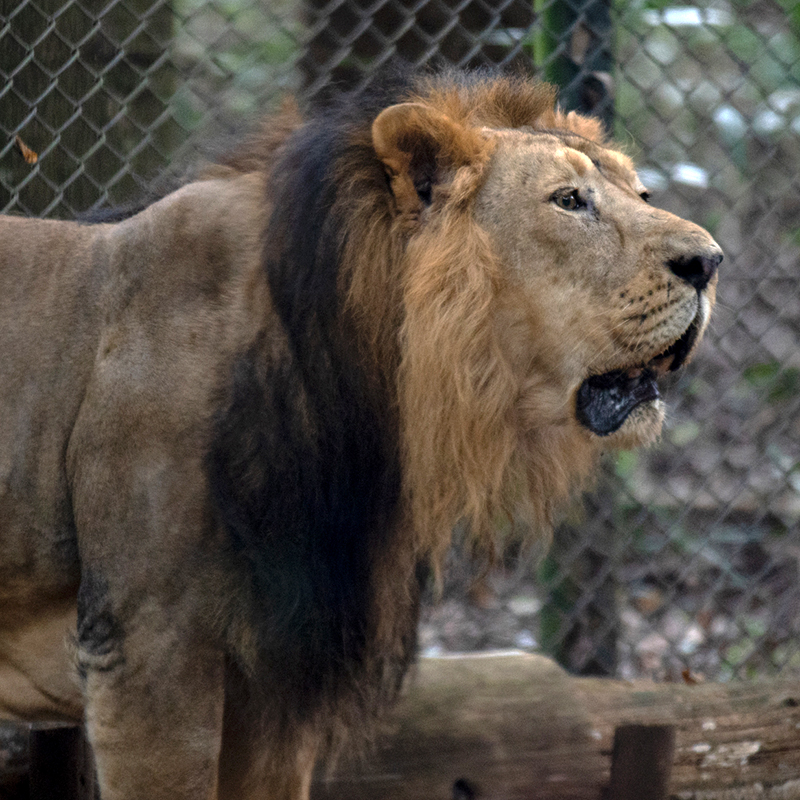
(475, 307)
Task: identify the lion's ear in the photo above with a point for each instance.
(418, 145)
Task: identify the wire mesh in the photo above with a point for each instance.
(685, 558)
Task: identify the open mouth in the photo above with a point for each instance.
(605, 401)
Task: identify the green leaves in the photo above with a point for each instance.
(776, 382)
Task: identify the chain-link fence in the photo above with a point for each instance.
(686, 556)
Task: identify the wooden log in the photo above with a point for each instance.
(505, 727)
(489, 723)
(733, 740)
(514, 727)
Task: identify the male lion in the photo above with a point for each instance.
(238, 425)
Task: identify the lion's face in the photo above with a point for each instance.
(543, 298)
(613, 292)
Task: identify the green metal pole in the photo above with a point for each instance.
(574, 50)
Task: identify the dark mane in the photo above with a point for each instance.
(304, 474)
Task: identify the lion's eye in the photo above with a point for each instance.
(645, 195)
(569, 199)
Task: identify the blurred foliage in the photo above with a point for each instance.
(777, 382)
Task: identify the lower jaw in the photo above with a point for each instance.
(641, 427)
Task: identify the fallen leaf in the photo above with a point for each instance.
(30, 156)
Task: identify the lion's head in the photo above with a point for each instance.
(544, 297)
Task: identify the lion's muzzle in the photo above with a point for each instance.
(604, 402)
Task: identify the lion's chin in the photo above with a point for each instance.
(641, 427)
(627, 399)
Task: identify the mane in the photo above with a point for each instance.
(393, 408)
(304, 469)
(465, 457)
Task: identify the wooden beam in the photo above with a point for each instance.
(516, 727)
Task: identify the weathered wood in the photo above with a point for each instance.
(514, 727)
(731, 739)
(14, 761)
(508, 727)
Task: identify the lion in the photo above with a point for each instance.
(240, 425)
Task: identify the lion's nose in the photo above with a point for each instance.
(697, 269)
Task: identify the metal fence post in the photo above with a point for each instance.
(574, 49)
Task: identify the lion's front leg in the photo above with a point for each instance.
(264, 755)
(154, 700)
(263, 769)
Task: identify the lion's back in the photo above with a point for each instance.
(111, 335)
